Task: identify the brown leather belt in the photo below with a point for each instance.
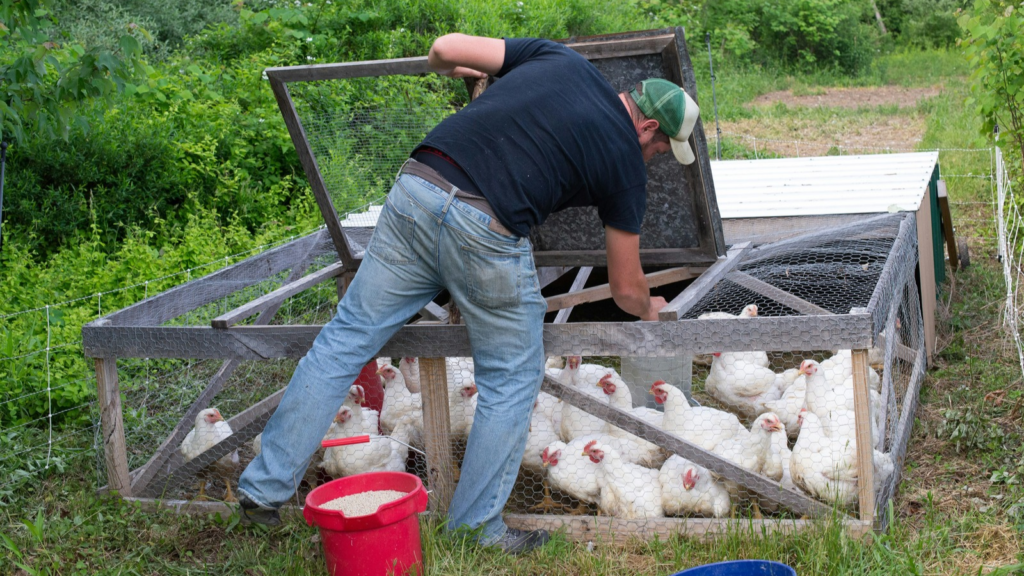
(479, 202)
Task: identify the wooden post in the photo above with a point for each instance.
(926, 265)
(344, 280)
(437, 435)
(865, 447)
(112, 424)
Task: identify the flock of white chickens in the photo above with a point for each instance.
(624, 475)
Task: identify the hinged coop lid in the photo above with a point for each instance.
(682, 225)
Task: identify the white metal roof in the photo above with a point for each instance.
(822, 185)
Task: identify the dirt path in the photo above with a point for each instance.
(872, 129)
(867, 97)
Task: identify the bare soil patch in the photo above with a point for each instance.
(865, 97)
(797, 136)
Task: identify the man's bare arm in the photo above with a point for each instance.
(462, 56)
(626, 276)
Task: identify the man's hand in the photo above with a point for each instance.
(463, 56)
(657, 303)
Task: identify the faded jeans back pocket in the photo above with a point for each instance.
(393, 236)
(492, 278)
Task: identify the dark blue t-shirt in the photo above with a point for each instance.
(549, 134)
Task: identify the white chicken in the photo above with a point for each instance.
(399, 401)
(554, 362)
(462, 407)
(380, 454)
(410, 369)
(576, 422)
(571, 472)
(700, 425)
(627, 490)
(757, 357)
(745, 387)
(555, 368)
(687, 488)
(824, 396)
(788, 407)
(210, 429)
(640, 451)
(824, 466)
(542, 434)
(839, 368)
(751, 449)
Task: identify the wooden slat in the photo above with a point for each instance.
(244, 426)
(947, 227)
(764, 487)
(115, 452)
(688, 298)
(647, 339)
(617, 531)
(342, 70)
(312, 170)
(577, 285)
(548, 274)
(434, 312)
(277, 296)
(621, 48)
(865, 447)
(184, 298)
(926, 267)
(437, 434)
(779, 295)
(604, 291)
(648, 257)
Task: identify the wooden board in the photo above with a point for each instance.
(604, 291)
(865, 447)
(947, 227)
(926, 266)
(115, 452)
(278, 296)
(437, 434)
(688, 298)
(650, 339)
(780, 296)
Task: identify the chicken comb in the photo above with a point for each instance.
(589, 446)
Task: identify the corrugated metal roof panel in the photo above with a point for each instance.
(822, 185)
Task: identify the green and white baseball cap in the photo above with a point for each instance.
(674, 110)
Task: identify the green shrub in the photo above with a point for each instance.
(801, 33)
(924, 23)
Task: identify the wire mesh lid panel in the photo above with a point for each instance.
(834, 271)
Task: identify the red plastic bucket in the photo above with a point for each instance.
(384, 543)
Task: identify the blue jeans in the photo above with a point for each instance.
(425, 240)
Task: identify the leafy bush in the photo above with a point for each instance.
(996, 55)
(804, 33)
(926, 23)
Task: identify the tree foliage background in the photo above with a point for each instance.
(146, 140)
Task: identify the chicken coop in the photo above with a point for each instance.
(779, 384)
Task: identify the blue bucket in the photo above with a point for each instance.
(740, 568)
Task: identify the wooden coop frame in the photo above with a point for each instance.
(136, 332)
(139, 331)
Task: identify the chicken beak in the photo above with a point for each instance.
(380, 371)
